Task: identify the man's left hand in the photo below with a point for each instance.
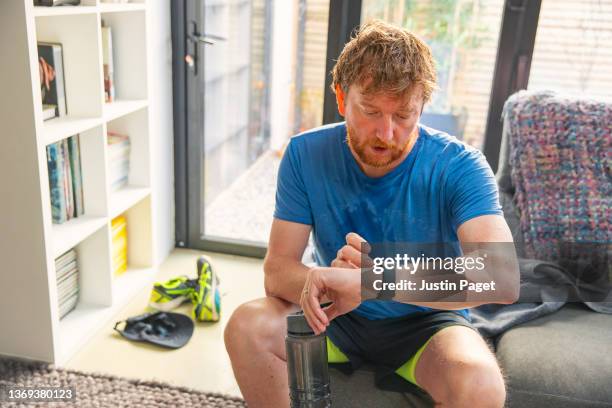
(341, 285)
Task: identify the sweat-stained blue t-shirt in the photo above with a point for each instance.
(441, 184)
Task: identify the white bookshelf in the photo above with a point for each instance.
(30, 241)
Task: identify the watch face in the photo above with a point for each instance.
(388, 278)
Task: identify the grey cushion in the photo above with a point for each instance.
(560, 360)
(358, 390)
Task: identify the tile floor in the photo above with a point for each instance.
(203, 363)
(244, 209)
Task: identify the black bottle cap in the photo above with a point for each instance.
(297, 324)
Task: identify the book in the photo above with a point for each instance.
(64, 271)
(65, 258)
(77, 177)
(118, 151)
(119, 244)
(118, 222)
(107, 63)
(68, 285)
(67, 180)
(56, 183)
(51, 68)
(49, 111)
(69, 305)
(118, 160)
(67, 280)
(67, 295)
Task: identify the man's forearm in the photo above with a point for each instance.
(285, 278)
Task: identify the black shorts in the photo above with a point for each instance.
(388, 344)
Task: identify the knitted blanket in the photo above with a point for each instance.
(561, 164)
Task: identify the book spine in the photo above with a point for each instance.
(58, 195)
(77, 179)
(58, 60)
(53, 171)
(116, 185)
(118, 150)
(65, 259)
(107, 62)
(68, 181)
(68, 306)
(66, 270)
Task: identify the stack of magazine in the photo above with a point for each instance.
(67, 273)
(65, 179)
(118, 160)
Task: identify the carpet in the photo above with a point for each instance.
(102, 391)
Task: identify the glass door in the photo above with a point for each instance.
(255, 74)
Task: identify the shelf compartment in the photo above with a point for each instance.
(95, 199)
(127, 285)
(69, 234)
(135, 125)
(56, 129)
(139, 242)
(129, 53)
(93, 165)
(126, 197)
(80, 325)
(118, 108)
(79, 36)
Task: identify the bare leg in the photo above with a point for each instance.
(458, 370)
(255, 341)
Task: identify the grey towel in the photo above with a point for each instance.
(545, 288)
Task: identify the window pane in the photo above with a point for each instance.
(463, 35)
(264, 83)
(573, 52)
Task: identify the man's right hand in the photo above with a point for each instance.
(352, 254)
(340, 285)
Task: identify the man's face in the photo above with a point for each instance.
(380, 127)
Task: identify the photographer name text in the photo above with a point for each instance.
(445, 285)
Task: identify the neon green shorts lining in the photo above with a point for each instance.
(406, 371)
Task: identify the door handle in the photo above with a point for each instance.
(195, 38)
(208, 39)
(202, 39)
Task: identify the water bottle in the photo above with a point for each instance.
(306, 365)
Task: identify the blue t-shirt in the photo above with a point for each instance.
(440, 184)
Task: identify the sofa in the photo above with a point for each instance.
(563, 359)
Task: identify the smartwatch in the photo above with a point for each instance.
(388, 277)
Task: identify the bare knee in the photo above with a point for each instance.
(476, 384)
(256, 326)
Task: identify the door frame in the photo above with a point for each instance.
(188, 100)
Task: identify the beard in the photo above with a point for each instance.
(392, 150)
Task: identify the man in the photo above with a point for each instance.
(378, 177)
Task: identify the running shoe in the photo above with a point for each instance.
(206, 297)
(171, 294)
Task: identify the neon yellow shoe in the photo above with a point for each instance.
(169, 295)
(206, 297)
